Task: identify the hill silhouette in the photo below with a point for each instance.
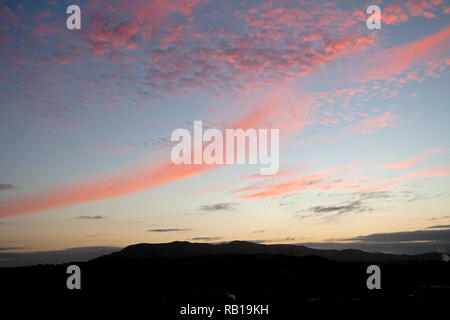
(188, 249)
(290, 279)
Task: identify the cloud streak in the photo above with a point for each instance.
(413, 161)
(224, 206)
(90, 217)
(127, 181)
(389, 62)
(168, 230)
(446, 226)
(353, 206)
(406, 236)
(6, 186)
(207, 238)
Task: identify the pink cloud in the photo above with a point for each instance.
(419, 7)
(394, 14)
(167, 41)
(8, 18)
(127, 181)
(388, 62)
(303, 183)
(400, 11)
(435, 171)
(136, 179)
(413, 161)
(317, 181)
(129, 21)
(371, 124)
(324, 181)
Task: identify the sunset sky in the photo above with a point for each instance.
(86, 118)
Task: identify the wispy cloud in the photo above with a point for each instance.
(389, 62)
(98, 235)
(435, 171)
(90, 217)
(276, 240)
(259, 231)
(278, 189)
(353, 206)
(369, 125)
(130, 180)
(223, 206)
(331, 213)
(413, 161)
(10, 248)
(443, 226)
(399, 11)
(317, 181)
(6, 186)
(168, 230)
(405, 236)
(207, 238)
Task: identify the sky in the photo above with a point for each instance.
(86, 118)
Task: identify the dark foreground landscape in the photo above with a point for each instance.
(161, 279)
